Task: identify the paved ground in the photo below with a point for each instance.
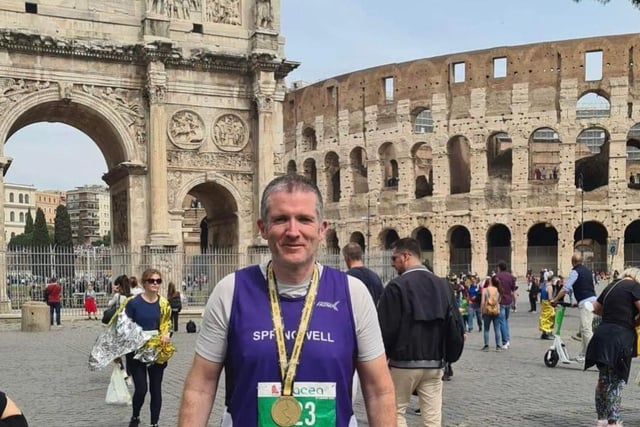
(46, 373)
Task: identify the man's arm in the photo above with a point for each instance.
(199, 392)
(379, 394)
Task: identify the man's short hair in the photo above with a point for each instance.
(408, 244)
(352, 251)
(290, 183)
(502, 266)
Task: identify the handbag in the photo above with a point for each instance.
(108, 314)
(117, 392)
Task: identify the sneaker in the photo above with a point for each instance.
(500, 348)
(506, 345)
(135, 422)
(580, 359)
(485, 348)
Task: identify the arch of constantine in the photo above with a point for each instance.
(524, 154)
(183, 99)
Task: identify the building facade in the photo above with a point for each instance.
(524, 154)
(89, 212)
(48, 201)
(19, 200)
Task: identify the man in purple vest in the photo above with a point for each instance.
(290, 332)
(580, 283)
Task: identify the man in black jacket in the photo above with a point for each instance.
(352, 253)
(412, 311)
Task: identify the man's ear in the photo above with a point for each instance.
(263, 229)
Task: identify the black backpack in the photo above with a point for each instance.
(191, 327)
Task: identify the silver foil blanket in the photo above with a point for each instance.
(121, 337)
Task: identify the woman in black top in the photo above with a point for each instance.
(10, 414)
(614, 343)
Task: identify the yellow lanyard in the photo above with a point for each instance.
(289, 367)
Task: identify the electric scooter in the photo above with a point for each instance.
(558, 352)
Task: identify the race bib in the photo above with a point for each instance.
(317, 402)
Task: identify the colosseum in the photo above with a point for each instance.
(524, 154)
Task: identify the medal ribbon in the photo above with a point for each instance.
(289, 367)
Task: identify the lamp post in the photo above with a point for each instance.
(581, 186)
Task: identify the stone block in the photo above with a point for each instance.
(35, 317)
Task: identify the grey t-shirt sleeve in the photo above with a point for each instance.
(212, 339)
(368, 332)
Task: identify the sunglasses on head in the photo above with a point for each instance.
(156, 281)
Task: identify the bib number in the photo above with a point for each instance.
(317, 402)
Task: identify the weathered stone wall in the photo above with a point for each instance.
(540, 90)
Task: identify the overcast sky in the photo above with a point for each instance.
(333, 37)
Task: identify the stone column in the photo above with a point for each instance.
(269, 139)
(157, 156)
(5, 302)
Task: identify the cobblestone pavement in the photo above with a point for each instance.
(46, 373)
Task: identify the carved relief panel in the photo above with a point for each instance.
(224, 12)
(186, 129)
(230, 132)
(120, 217)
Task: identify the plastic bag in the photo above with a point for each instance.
(117, 392)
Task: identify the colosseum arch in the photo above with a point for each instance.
(358, 238)
(459, 152)
(310, 170)
(422, 120)
(359, 170)
(632, 245)
(592, 158)
(292, 167)
(542, 247)
(498, 245)
(309, 141)
(425, 239)
(459, 249)
(499, 156)
(422, 157)
(593, 105)
(389, 163)
(633, 157)
(544, 155)
(332, 170)
(332, 241)
(388, 237)
(591, 242)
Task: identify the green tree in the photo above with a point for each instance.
(63, 241)
(20, 241)
(28, 226)
(40, 237)
(62, 228)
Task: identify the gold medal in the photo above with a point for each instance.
(286, 411)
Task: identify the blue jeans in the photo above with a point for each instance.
(54, 307)
(474, 311)
(504, 322)
(488, 320)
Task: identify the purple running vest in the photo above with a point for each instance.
(252, 354)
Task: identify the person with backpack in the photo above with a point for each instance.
(490, 307)
(422, 330)
(175, 300)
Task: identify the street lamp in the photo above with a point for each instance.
(581, 186)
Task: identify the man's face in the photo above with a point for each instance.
(399, 261)
(292, 229)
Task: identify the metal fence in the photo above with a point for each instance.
(194, 273)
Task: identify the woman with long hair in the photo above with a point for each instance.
(614, 343)
(175, 300)
(152, 313)
(490, 307)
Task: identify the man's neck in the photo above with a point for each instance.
(292, 275)
(356, 264)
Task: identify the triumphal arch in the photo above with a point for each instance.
(182, 97)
